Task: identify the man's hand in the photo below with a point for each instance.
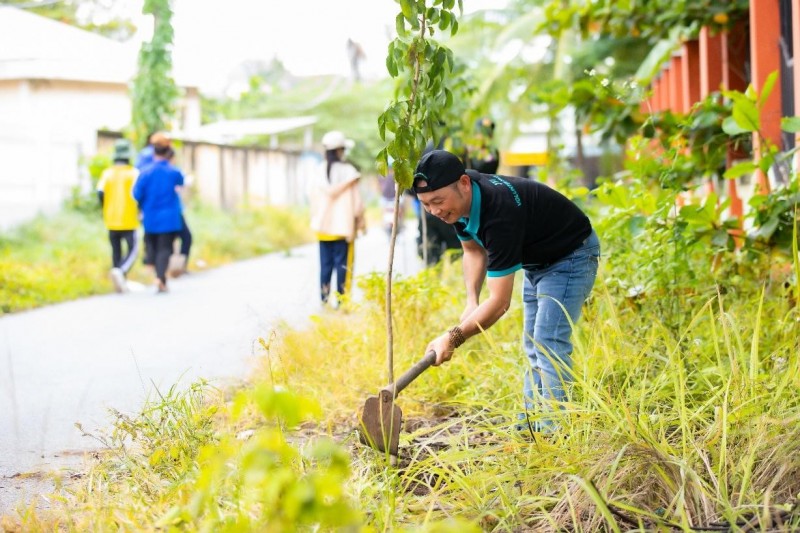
(443, 348)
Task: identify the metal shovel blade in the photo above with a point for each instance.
(380, 423)
(381, 418)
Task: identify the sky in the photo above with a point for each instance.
(308, 36)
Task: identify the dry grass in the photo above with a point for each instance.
(687, 430)
(666, 430)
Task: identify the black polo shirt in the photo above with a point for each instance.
(521, 223)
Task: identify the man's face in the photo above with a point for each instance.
(448, 203)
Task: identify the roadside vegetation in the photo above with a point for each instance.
(680, 419)
(684, 414)
(66, 256)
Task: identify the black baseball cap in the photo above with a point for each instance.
(437, 168)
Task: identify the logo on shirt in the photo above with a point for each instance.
(497, 180)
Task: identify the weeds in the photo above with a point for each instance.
(677, 429)
(67, 256)
(667, 429)
(168, 468)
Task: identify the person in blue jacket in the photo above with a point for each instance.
(157, 190)
(145, 156)
(144, 159)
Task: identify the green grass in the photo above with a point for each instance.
(67, 256)
(665, 430)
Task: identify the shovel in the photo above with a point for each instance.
(381, 419)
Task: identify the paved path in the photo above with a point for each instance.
(70, 362)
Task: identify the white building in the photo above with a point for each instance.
(59, 85)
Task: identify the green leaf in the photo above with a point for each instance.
(430, 13)
(721, 238)
(766, 90)
(391, 66)
(439, 59)
(757, 200)
(766, 230)
(790, 124)
(409, 10)
(444, 20)
(766, 162)
(732, 128)
(745, 113)
(285, 405)
(740, 169)
(382, 125)
(661, 52)
(382, 162)
(400, 24)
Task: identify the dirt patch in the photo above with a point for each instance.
(35, 489)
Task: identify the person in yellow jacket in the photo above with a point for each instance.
(337, 214)
(120, 212)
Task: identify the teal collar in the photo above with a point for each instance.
(474, 220)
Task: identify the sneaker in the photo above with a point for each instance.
(118, 278)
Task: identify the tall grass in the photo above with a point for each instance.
(687, 430)
(669, 430)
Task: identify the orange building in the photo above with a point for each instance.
(766, 41)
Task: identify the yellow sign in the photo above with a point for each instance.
(521, 159)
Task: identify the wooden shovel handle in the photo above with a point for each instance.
(411, 374)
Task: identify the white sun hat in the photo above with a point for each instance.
(336, 139)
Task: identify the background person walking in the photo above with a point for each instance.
(337, 214)
(120, 212)
(179, 263)
(144, 159)
(157, 190)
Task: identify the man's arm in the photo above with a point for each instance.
(336, 190)
(474, 266)
(486, 314)
(479, 318)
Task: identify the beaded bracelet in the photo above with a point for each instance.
(456, 336)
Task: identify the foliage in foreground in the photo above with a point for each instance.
(167, 469)
(667, 428)
(676, 428)
(67, 256)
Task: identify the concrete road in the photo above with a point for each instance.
(70, 362)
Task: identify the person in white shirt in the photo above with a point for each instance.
(337, 214)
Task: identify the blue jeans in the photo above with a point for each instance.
(334, 256)
(551, 292)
